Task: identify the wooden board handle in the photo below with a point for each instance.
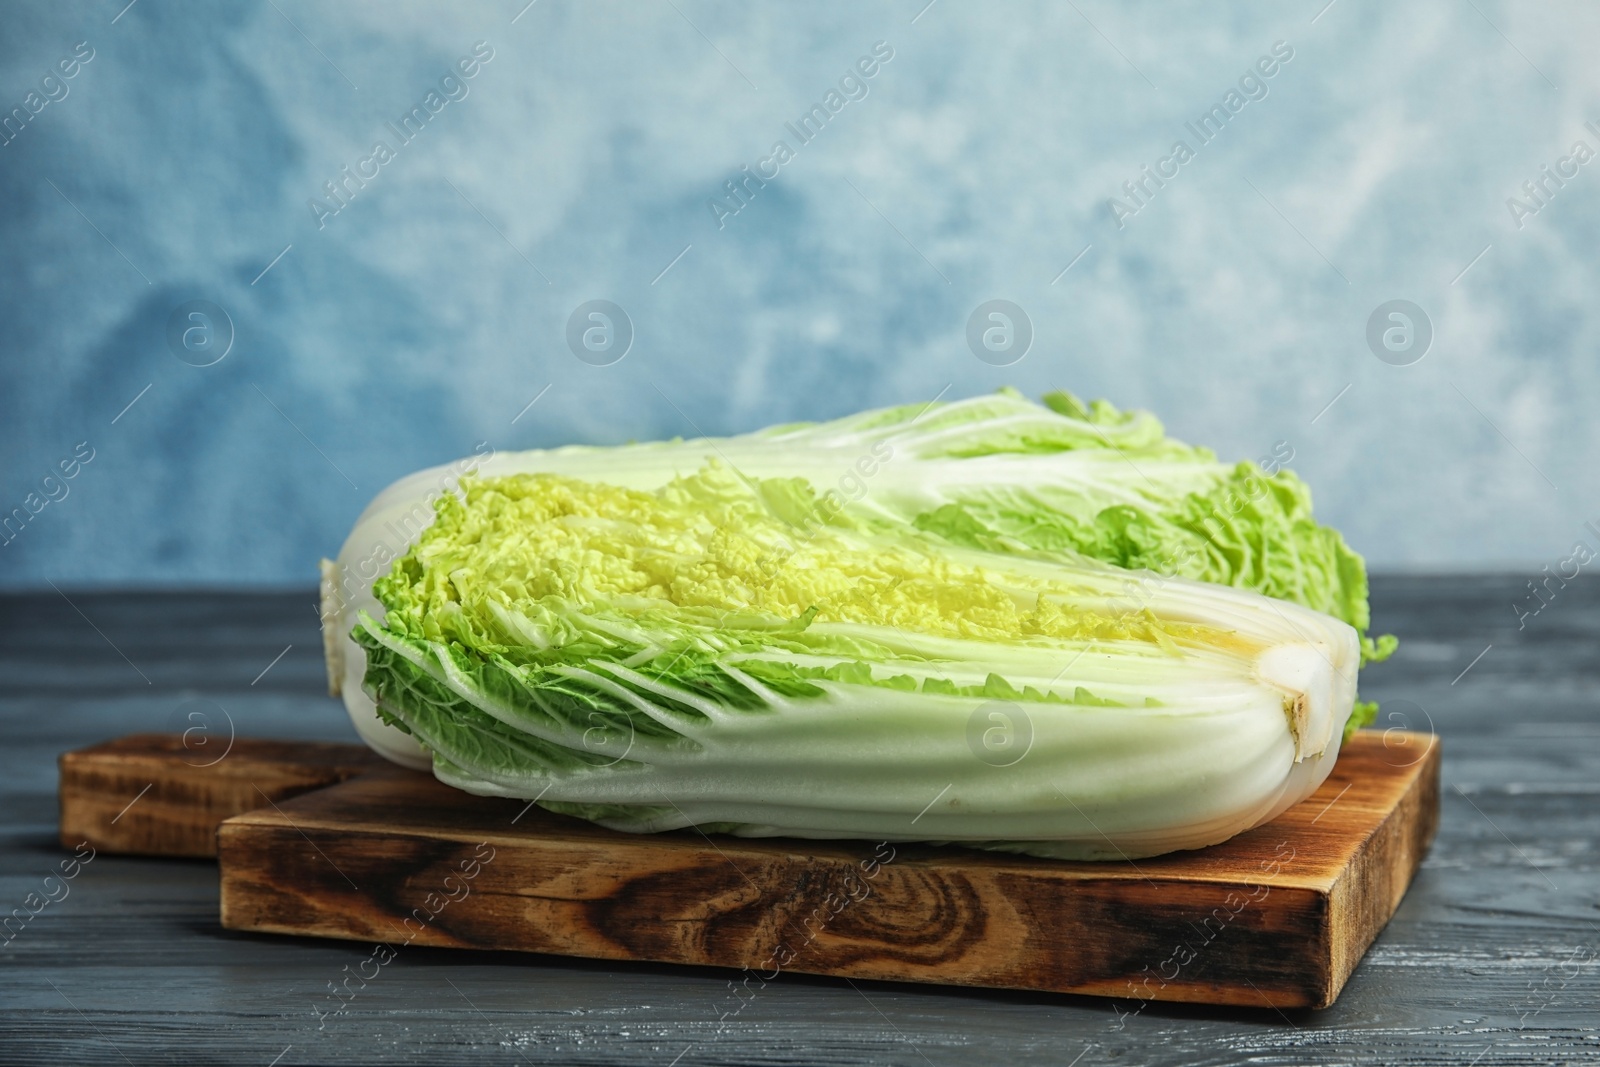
(156, 795)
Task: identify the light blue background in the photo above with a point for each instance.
(979, 166)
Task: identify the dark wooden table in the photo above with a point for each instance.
(1492, 958)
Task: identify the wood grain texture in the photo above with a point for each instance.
(1278, 916)
(163, 795)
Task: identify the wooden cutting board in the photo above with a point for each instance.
(328, 841)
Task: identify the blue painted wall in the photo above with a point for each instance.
(586, 152)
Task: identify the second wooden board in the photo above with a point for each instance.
(1278, 916)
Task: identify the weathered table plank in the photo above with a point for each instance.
(1493, 953)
